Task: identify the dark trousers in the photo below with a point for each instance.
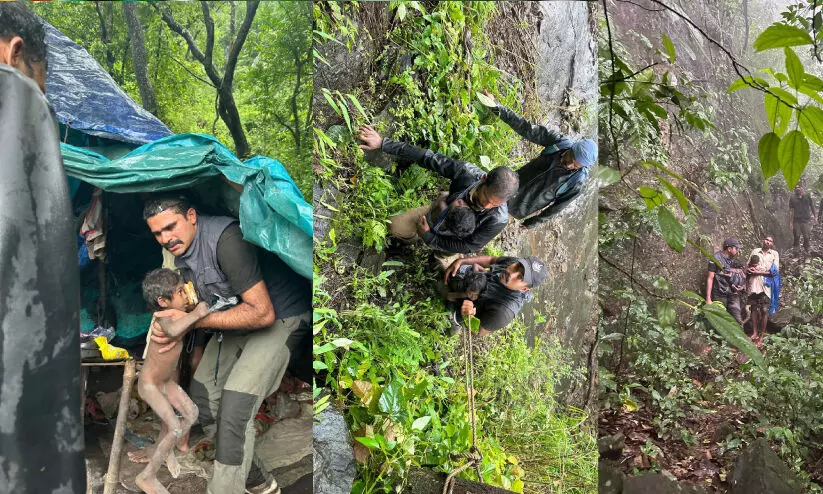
(732, 304)
(803, 229)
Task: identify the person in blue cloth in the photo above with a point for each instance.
(549, 182)
(763, 286)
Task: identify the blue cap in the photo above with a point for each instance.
(585, 152)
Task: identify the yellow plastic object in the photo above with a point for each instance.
(110, 352)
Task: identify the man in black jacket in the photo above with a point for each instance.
(485, 193)
(509, 281)
(549, 182)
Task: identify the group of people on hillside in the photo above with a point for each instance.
(728, 281)
(476, 208)
(758, 281)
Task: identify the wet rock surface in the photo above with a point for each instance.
(760, 471)
(334, 464)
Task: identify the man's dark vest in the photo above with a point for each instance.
(199, 263)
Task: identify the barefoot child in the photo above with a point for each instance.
(164, 289)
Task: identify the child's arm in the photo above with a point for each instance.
(452, 296)
(178, 327)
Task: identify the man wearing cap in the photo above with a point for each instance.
(507, 290)
(549, 182)
(720, 286)
(485, 193)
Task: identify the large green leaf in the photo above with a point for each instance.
(368, 442)
(812, 82)
(666, 314)
(811, 93)
(727, 327)
(677, 193)
(421, 423)
(672, 229)
(746, 81)
(390, 400)
(811, 123)
(781, 36)
(605, 175)
(767, 151)
(793, 154)
(794, 67)
(778, 112)
(667, 43)
(652, 197)
(787, 97)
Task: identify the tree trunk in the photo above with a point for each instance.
(226, 107)
(138, 56)
(106, 34)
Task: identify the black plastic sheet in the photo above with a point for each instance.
(41, 431)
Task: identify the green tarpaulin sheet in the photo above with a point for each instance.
(273, 213)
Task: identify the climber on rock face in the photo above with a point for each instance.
(484, 193)
(509, 282)
(549, 182)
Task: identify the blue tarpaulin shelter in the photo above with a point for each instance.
(133, 151)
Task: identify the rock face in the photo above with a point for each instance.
(334, 467)
(609, 479)
(566, 71)
(566, 74)
(760, 471)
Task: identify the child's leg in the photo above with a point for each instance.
(183, 404)
(764, 318)
(755, 322)
(152, 394)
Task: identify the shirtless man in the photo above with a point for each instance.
(163, 289)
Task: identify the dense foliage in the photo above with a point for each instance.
(265, 81)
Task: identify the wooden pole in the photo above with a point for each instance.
(113, 473)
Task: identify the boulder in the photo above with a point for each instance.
(787, 315)
(758, 470)
(656, 483)
(611, 447)
(334, 466)
(609, 479)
